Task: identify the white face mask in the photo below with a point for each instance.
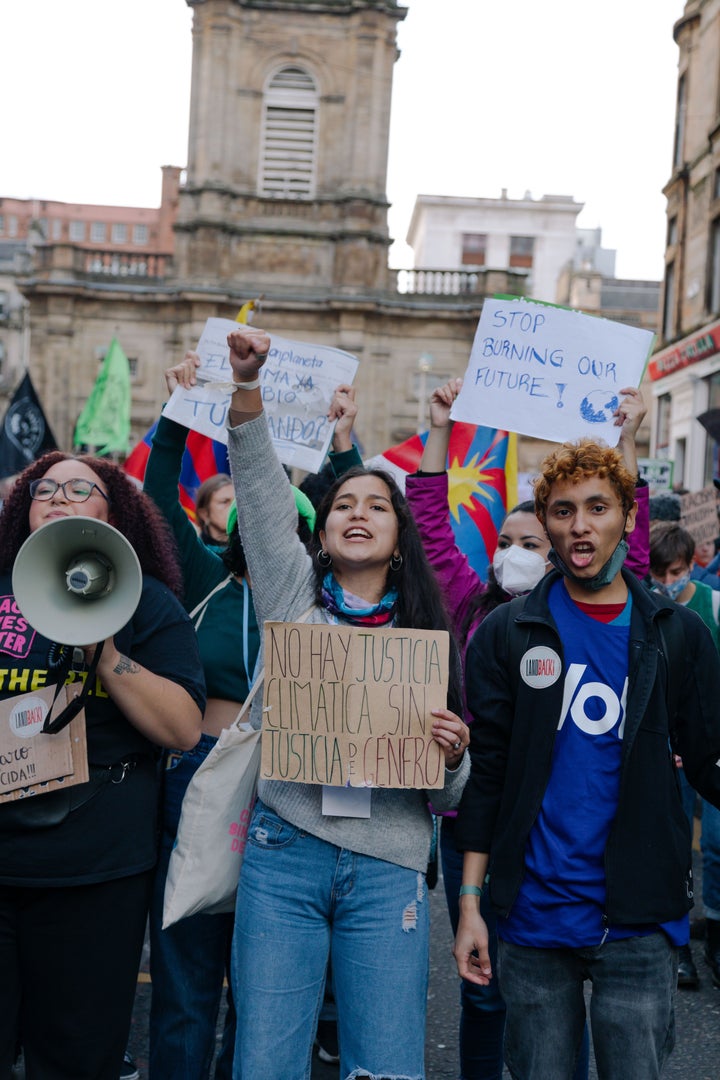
(518, 570)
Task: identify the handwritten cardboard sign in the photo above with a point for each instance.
(350, 706)
(550, 372)
(698, 514)
(32, 763)
(297, 380)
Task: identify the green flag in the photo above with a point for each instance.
(104, 423)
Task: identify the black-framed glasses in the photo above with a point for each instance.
(74, 490)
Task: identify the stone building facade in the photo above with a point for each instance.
(685, 370)
(283, 198)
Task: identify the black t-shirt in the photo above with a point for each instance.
(113, 833)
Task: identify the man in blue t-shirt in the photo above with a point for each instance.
(581, 692)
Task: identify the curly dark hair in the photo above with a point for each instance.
(132, 513)
(420, 601)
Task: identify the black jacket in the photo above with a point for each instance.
(648, 865)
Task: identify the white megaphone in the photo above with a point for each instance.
(77, 580)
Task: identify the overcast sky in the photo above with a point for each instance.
(560, 97)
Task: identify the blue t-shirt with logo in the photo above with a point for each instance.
(562, 897)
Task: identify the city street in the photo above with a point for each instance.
(696, 1055)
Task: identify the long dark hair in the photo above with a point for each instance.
(420, 602)
(132, 513)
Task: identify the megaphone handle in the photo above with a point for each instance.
(52, 727)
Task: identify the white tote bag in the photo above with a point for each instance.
(205, 861)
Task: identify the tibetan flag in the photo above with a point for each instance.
(104, 424)
(482, 475)
(203, 458)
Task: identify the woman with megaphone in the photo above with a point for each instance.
(76, 859)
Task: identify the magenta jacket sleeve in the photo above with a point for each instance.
(638, 557)
(427, 496)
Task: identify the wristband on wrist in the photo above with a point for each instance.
(470, 890)
(253, 385)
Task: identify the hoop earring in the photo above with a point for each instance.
(396, 562)
(324, 559)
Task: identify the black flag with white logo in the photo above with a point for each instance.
(25, 433)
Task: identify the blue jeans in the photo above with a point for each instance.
(709, 845)
(188, 961)
(631, 1008)
(301, 900)
(482, 1016)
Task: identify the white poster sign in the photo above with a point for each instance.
(297, 381)
(550, 372)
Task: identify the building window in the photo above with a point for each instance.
(714, 275)
(12, 225)
(97, 232)
(77, 231)
(57, 229)
(119, 234)
(716, 185)
(289, 136)
(2, 224)
(681, 106)
(662, 434)
(521, 250)
(140, 234)
(668, 320)
(133, 366)
(474, 246)
(672, 232)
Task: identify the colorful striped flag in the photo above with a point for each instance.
(482, 468)
(203, 458)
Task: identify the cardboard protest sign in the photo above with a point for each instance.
(32, 763)
(698, 514)
(297, 381)
(549, 372)
(351, 706)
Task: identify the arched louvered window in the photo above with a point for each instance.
(289, 135)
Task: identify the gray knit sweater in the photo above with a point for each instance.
(399, 828)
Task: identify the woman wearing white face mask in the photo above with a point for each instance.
(519, 563)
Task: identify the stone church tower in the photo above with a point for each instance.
(288, 145)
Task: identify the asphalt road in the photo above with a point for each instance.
(697, 1050)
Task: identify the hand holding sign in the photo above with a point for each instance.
(550, 372)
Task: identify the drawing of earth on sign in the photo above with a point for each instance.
(598, 406)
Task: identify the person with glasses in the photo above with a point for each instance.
(76, 863)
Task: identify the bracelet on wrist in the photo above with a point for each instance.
(470, 890)
(252, 385)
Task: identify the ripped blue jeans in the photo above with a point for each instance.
(300, 900)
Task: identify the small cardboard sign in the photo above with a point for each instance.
(31, 762)
(297, 382)
(698, 514)
(550, 372)
(351, 706)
